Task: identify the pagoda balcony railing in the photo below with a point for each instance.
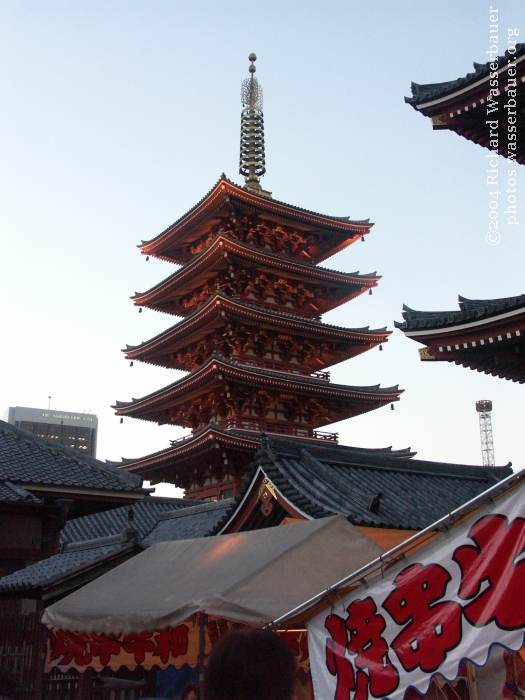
(278, 367)
(257, 425)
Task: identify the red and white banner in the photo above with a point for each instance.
(451, 600)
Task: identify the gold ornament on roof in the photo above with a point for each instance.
(252, 160)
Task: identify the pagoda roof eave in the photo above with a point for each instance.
(201, 316)
(486, 335)
(215, 434)
(472, 313)
(225, 188)
(217, 363)
(223, 244)
(212, 433)
(434, 94)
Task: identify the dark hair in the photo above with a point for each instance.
(192, 687)
(250, 664)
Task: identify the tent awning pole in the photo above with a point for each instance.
(356, 575)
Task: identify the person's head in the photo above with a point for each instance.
(250, 664)
(189, 692)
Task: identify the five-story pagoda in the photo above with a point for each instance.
(251, 296)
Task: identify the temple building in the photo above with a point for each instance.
(485, 106)
(485, 335)
(251, 295)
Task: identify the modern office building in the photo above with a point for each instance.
(76, 430)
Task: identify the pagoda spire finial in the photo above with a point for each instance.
(251, 162)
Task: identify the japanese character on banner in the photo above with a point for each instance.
(71, 646)
(360, 635)
(104, 646)
(138, 645)
(298, 643)
(495, 559)
(432, 628)
(336, 662)
(173, 640)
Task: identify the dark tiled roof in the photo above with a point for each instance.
(71, 561)
(344, 219)
(371, 488)
(26, 458)
(186, 524)
(10, 493)
(470, 310)
(424, 93)
(111, 522)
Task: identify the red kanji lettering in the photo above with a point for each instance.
(433, 628)
(298, 643)
(172, 641)
(71, 646)
(138, 645)
(104, 646)
(336, 662)
(492, 558)
(366, 627)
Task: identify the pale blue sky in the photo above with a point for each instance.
(118, 116)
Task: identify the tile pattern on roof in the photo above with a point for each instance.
(26, 458)
(112, 522)
(188, 523)
(10, 493)
(371, 489)
(470, 310)
(56, 567)
(423, 93)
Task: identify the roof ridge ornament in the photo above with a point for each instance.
(252, 158)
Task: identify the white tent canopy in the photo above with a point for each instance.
(252, 577)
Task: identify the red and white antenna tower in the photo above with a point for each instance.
(484, 408)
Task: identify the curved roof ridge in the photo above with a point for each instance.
(271, 312)
(267, 253)
(421, 93)
(470, 310)
(370, 389)
(223, 178)
(186, 439)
